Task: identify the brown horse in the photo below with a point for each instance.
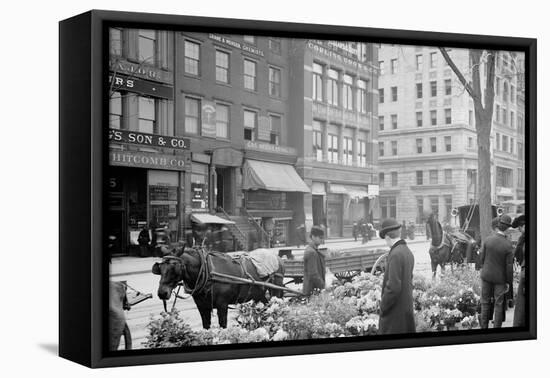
(440, 249)
(195, 267)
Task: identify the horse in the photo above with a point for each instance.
(442, 246)
(118, 302)
(195, 268)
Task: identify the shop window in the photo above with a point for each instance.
(163, 201)
(199, 189)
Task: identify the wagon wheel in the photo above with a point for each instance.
(380, 264)
(346, 275)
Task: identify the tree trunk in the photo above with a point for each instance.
(484, 171)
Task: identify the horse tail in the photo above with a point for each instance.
(127, 337)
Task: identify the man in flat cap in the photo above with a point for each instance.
(396, 305)
(520, 252)
(496, 260)
(314, 262)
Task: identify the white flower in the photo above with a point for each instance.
(280, 335)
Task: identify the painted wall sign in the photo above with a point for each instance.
(143, 71)
(145, 160)
(144, 139)
(132, 84)
(208, 119)
(236, 44)
(268, 147)
(327, 51)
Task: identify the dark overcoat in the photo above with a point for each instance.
(314, 269)
(396, 306)
(496, 258)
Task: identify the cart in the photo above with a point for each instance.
(344, 265)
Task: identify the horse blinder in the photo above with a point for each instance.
(156, 269)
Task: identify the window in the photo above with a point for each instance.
(504, 177)
(448, 119)
(146, 46)
(332, 87)
(497, 113)
(394, 147)
(275, 45)
(333, 148)
(115, 110)
(448, 87)
(433, 117)
(394, 94)
(380, 148)
(388, 207)
(317, 82)
(471, 180)
(520, 151)
(394, 121)
(381, 67)
(505, 143)
(498, 141)
(192, 115)
(419, 178)
(274, 82)
(512, 120)
(394, 179)
(381, 123)
(418, 90)
(348, 151)
(504, 116)
(222, 121)
(381, 95)
(433, 88)
(115, 41)
(347, 94)
(222, 67)
(448, 143)
(192, 57)
(521, 125)
(470, 118)
(419, 119)
(275, 125)
(434, 178)
(250, 74)
(448, 176)
(512, 143)
(381, 178)
(419, 62)
(497, 86)
(505, 92)
(433, 145)
(420, 210)
(419, 146)
(318, 140)
(521, 178)
(433, 60)
(393, 66)
(362, 153)
(250, 124)
(448, 200)
(470, 142)
(250, 39)
(362, 96)
(147, 115)
(512, 94)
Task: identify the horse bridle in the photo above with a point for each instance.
(202, 277)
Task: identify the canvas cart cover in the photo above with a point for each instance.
(209, 218)
(272, 176)
(265, 261)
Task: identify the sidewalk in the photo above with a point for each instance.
(127, 265)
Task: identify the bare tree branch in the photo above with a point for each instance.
(458, 73)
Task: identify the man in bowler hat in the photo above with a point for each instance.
(396, 305)
(496, 260)
(314, 262)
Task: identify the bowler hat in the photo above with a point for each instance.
(518, 221)
(317, 231)
(388, 224)
(505, 220)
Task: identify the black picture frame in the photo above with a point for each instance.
(82, 264)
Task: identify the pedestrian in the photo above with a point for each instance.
(314, 262)
(520, 254)
(355, 230)
(404, 230)
(364, 231)
(143, 241)
(496, 260)
(396, 305)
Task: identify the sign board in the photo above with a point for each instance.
(142, 70)
(208, 119)
(268, 147)
(373, 190)
(145, 160)
(119, 82)
(145, 139)
(236, 44)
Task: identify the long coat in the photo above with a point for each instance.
(396, 306)
(496, 258)
(314, 269)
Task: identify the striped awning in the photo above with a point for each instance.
(272, 176)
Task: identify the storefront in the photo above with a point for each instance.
(145, 191)
(270, 190)
(346, 204)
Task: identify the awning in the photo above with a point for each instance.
(272, 176)
(209, 218)
(352, 191)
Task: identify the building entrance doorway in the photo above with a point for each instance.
(224, 191)
(318, 205)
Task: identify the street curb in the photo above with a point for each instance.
(119, 274)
